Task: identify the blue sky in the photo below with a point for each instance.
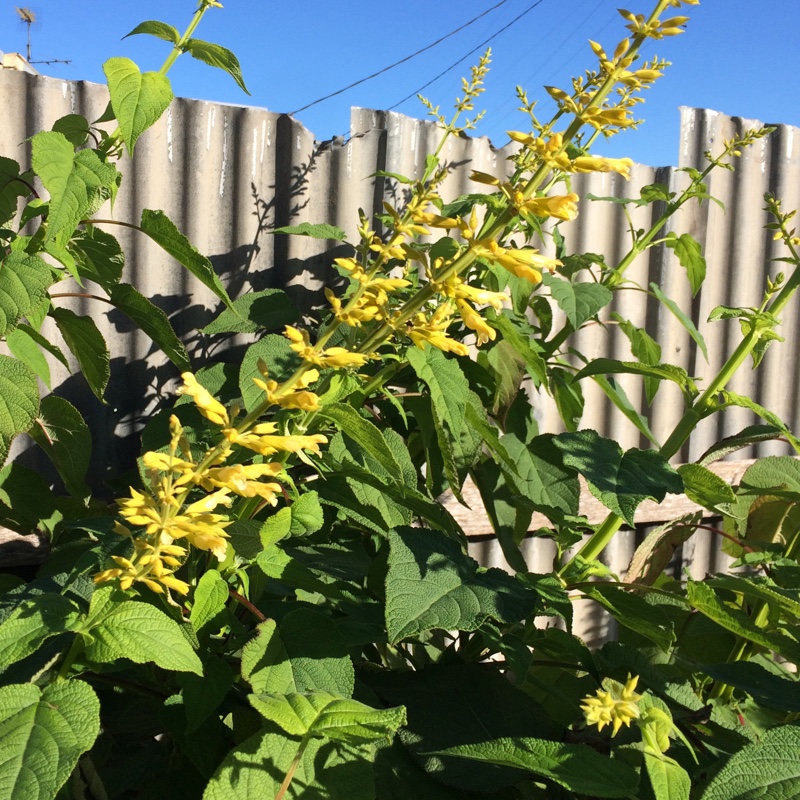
(737, 56)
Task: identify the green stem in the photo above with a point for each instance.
(292, 768)
(75, 648)
(178, 47)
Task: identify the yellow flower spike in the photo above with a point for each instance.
(564, 207)
(206, 404)
(617, 705)
(482, 296)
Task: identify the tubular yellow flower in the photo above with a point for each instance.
(524, 262)
(244, 480)
(262, 439)
(208, 406)
(474, 321)
(559, 206)
(332, 357)
(306, 401)
(616, 706)
(599, 164)
(365, 310)
(433, 331)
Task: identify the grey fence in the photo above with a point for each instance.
(228, 175)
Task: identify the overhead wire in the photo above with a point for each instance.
(402, 60)
(467, 55)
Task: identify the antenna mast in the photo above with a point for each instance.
(28, 17)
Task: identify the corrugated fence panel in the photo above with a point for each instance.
(229, 175)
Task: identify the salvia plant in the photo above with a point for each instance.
(279, 606)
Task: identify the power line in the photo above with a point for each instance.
(402, 60)
(470, 53)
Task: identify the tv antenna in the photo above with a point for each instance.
(28, 17)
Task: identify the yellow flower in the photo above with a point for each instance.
(332, 357)
(261, 439)
(433, 331)
(523, 262)
(288, 398)
(599, 164)
(208, 406)
(244, 480)
(474, 321)
(616, 706)
(559, 206)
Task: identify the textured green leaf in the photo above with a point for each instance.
(280, 359)
(620, 480)
(88, 346)
(210, 597)
(24, 281)
(765, 770)
(43, 733)
(668, 779)
(306, 654)
(61, 431)
(153, 321)
(705, 488)
(616, 394)
(431, 584)
(11, 188)
(327, 770)
(153, 27)
(138, 99)
(764, 686)
(645, 349)
(160, 228)
(329, 716)
(74, 127)
(320, 231)
(202, 695)
(365, 434)
(123, 628)
(687, 323)
(270, 309)
(99, 255)
(27, 627)
(78, 183)
(579, 301)
(26, 345)
(610, 366)
(690, 256)
(574, 766)
(19, 401)
(307, 515)
(654, 554)
(568, 395)
(216, 56)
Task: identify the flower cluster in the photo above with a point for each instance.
(616, 705)
(177, 508)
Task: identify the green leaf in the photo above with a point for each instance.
(620, 480)
(633, 612)
(24, 630)
(645, 349)
(576, 767)
(210, 597)
(19, 401)
(307, 516)
(764, 686)
(26, 345)
(567, 393)
(88, 346)
(306, 654)
(705, 488)
(44, 732)
(654, 554)
(155, 28)
(280, 359)
(270, 309)
(769, 768)
(153, 321)
(331, 717)
(327, 770)
(11, 188)
(365, 434)
(753, 434)
(74, 127)
(523, 345)
(160, 228)
(610, 366)
(616, 394)
(24, 281)
(706, 601)
(61, 431)
(203, 695)
(690, 256)
(99, 256)
(275, 527)
(320, 231)
(119, 627)
(579, 301)
(216, 56)
(138, 99)
(78, 183)
(431, 585)
(668, 779)
(682, 318)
